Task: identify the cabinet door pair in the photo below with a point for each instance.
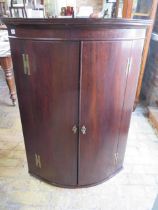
(71, 98)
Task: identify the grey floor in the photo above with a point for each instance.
(134, 188)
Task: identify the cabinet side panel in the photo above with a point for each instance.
(137, 47)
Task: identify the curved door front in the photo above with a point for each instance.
(104, 71)
(47, 74)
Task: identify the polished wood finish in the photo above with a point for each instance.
(127, 8)
(76, 80)
(117, 7)
(6, 64)
(132, 80)
(71, 22)
(52, 112)
(101, 102)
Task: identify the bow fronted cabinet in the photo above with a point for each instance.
(76, 82)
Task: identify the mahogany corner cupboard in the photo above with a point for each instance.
(76, 82)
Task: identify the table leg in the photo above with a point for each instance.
(6, 64)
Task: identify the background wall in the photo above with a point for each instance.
(96, 4)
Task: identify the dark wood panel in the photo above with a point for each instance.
(51, 108)
(103, 81)
(24, 90)
(137, 47)
(110, 34)
(79, 34)
(76, 22)
(80, 75)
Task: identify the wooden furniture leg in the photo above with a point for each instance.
(6, 64)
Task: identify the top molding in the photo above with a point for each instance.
(78, 22)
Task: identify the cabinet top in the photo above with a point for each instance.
(77, 22)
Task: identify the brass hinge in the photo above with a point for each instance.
(26, 64)
(128, 67)
(116, 158)
(38, 161)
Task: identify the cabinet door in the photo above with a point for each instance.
(48, 100)
(104, 71)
